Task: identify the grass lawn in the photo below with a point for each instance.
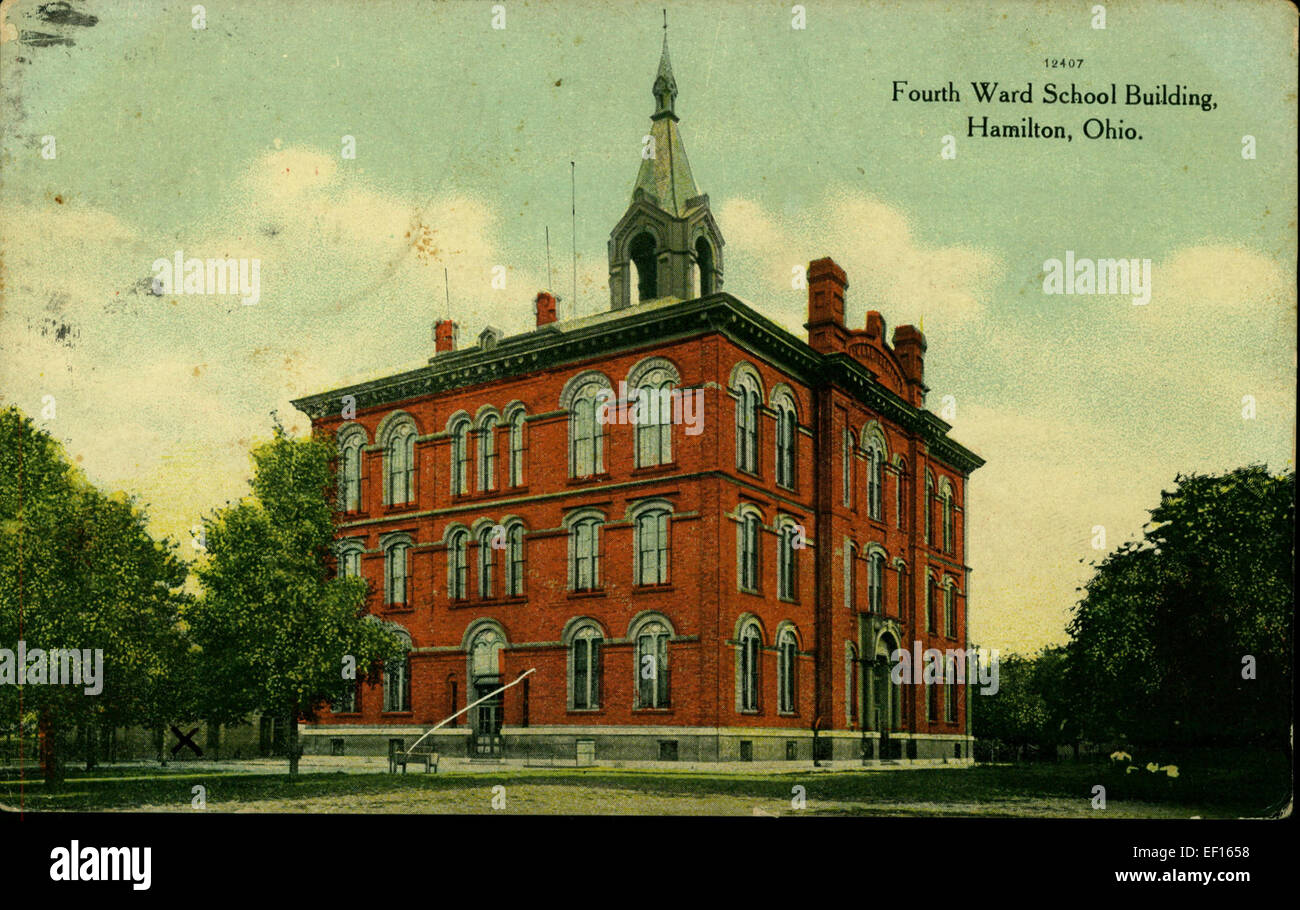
(1060, 790)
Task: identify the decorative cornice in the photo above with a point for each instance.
(549, 348)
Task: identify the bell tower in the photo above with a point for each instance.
(667, 243)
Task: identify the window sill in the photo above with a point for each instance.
(669, 467)
(398, 608)
(787, 713)
(652, 589)
(578, 595)
(753, 591)
(396, 713)
(586, 712)
(749, 712)
(588, 480)
(652, 710)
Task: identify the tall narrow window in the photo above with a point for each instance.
(586, 433)
(947, 521)
(487, 454)
(929, 603)
(786, 562)
(350, 482)
(748, 655)
(517, 449)
(653, 408)
(785, 442)
(902, 591)
(396, 574)
(397, 682)
(747, 551)
(460, 458)
(851, 682)
(400, 461)
(850, 576)
(875, 480)
(652, 666)
(900, 494)
(950, 611)
(950, 702)
(876, 582)
(585, 661)
(787, 650)
(931, 702)
(929, 506)
(847, 447)
(748, 403)
(350, 562)
(487, 557)
(651, 548)
(458, 565)
(515, 560)
(584, 554)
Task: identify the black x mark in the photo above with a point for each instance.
(186, 741)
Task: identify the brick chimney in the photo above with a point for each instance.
(826, 286)
(875, 326)
(909, 346)
(444, 336)
(544, 307)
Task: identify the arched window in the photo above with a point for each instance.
(458, 565)
(747, 666)
(642, 253)
(747, 550)
(786, 424)
(653, 410)
(487, 559)
(787, 650)
(515, 560)
(652, 666)
(397, 681)
(586, 431)
(651, 547)
(704, 261)
(460, 457)
(929, 506)
(349, 560)
(517, 444)
(950, 611)
(397, 574)
(487, 453)
(584, 554)
(876, 582)
(847, 447)
(875, 477)
(585, 668)
(350, 472)
(787, 561)
(399, 459)
(749, 400)
(485, 655)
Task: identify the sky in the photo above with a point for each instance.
(227, 141)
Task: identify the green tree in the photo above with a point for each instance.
(1169, 626)
(275, 625)
(79, 570)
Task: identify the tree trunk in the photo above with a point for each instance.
(291, 737)
(51, 753)
(214, 740)
(91, 741)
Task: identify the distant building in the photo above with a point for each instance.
(709, 583)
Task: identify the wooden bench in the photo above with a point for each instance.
(420, 756)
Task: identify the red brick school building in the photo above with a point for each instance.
(709, 582)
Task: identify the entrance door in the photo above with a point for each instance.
(487, 721)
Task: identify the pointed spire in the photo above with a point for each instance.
(665, 87)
